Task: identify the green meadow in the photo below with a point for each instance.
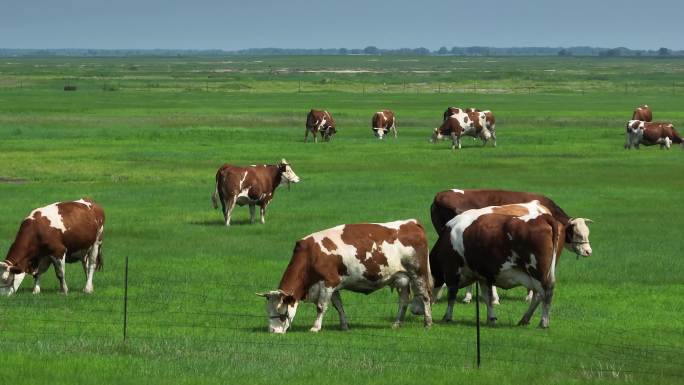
(145, 136)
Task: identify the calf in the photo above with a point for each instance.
(382, 123)
(253, 185)
(451, 203)
(643, 113)
(57, 234)
(660, 133)
(506, 246)
(489, 120)
(361, 258)
(320, 121)
(634, 133)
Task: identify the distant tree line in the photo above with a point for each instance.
(369, 50)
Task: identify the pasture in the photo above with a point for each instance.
(144, 138)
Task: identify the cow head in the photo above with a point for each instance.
(281, 308)
(577, 236)
(379, 132)
(287, 174)
(10, 278)
(436, 135)
(328, 132)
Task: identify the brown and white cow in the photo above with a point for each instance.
(660, 133)
(461, 123)
(489, 120)
(382, 123)
(252, 185)
(643, 113)
(634, 133)
(56, 234)
(322, 122)
(451, 203)
(505, 246)
(357, 257)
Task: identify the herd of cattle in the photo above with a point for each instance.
(494, 237)
(642, 130)
(482, 125)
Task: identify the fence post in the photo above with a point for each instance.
(477, 320)
(125, 318)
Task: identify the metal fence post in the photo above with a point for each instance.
(477, 320)
(125, 318)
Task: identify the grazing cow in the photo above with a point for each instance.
(634, 133)
(461, 123)
(57, 234)
(361, 258)
(253, 185)
(490, 121)
(506, 246)
(643, 113)
(382, 123)
(660, 133)
(320, 121)
(451, 203)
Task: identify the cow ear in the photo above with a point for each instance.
(262, 294)
(587, 220)
(15, 270)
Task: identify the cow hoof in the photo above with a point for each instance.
(88, 290)
(466, 300)
(36, 291)
(428, 326)
(447, 320)
(396, 325)
(344, 327)
(492, 321)
(523, 322)
(314, 330)
(496, 302)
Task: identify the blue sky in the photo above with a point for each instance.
(228, 24)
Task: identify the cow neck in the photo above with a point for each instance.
(22, 248)
(277, 176)
(296, 280)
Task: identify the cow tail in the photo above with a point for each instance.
(99, 260)
(555, 247)
(215, 196)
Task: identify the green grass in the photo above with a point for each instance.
(149, 155)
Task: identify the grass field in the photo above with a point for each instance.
(146, 143)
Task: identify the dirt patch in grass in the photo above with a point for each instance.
(9, 180)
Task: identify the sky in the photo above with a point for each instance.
(232, 25)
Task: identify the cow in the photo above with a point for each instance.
(252, 185)
(357, 257)
(506, 246)
(660, 133)
(451, 203)
(320, 121)
(643, 113)
(634, 133)
(383, 122)
(60, 233)
(461, 123)
(490, 121)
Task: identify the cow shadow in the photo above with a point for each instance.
(220, 222)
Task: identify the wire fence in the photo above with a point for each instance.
(228, 321)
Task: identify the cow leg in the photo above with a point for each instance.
(468, 295)
(488, 297)
(306, 134)
(530, 295)
(403, 304)
(451, 299)
(321, 306)
(536, 299)
(394, 130)
(252, 212)
(60, 264)
(230, 205)
(493, 136)
(262, 211)
(495, 296)
(421, 289)
(336, 300)
(91, 264)
(42, 268)
(546, 307)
